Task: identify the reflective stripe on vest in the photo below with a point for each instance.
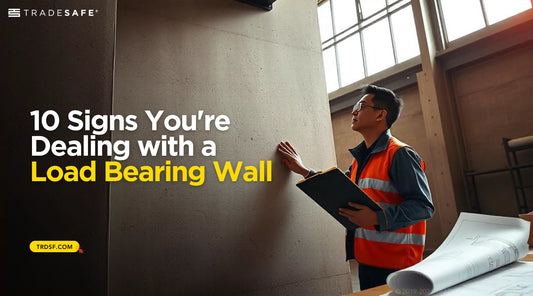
(387, 249)
(377, 184)
(391, 237)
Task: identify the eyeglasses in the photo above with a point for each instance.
(359, 105)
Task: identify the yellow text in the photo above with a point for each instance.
(250, 174)
(169, 173)
(69, 173)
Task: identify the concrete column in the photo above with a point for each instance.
(440, 120)
(264, 71)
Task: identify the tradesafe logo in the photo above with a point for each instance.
(13, 12)
(55, 12)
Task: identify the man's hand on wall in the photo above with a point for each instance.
(291, 159)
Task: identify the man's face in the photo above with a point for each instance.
(364, 114)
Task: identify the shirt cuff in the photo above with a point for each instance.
(310, 174)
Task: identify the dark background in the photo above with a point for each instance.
(61, 64)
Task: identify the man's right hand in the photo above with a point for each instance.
(291, 159)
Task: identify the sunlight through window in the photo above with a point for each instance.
(466, 16)
(370, 7)
(378, 47)
(324, 21)
(351, 60)
(363, 37)
(345, 15)
(498, 10)
(461, 17)
(330, 67)
(404, 30)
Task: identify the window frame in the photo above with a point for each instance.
(442, 22)
(391, 7)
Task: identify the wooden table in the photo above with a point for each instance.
(372, 291)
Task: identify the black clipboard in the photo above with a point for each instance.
(332, 190)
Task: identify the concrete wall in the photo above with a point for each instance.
(263, 70)
(495, 99)
(61, 64)
(409, 128)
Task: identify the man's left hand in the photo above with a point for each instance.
(362, 216)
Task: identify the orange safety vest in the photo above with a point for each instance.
(396, 249)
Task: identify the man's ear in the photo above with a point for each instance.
(382, 115)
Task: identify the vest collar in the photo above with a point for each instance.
(381, 144)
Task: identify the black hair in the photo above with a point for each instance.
(386, 99)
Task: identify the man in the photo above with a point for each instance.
(392, 174)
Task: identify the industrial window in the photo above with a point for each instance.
(462, 17)
(363, 37)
